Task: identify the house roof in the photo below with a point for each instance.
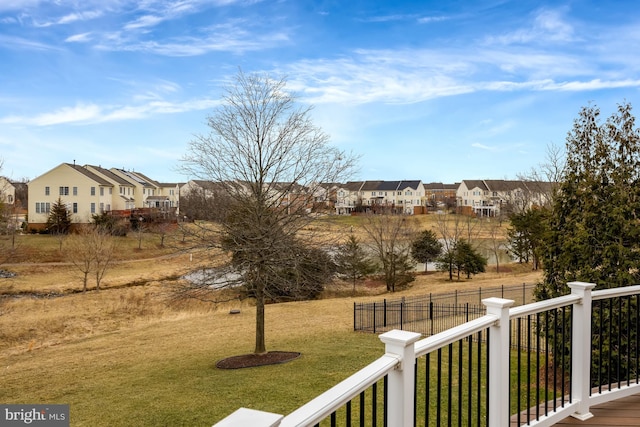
(146, 178)
(409, 184)
(107, 173)
(501, 185)
(475, 183)
(86, 172)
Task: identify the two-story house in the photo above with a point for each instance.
(488, 198)
(123, 190)
(82, 191)
(439, 195)
(89, 190)
(398, 196)
(13, 200)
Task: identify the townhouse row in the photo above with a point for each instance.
(88, 190)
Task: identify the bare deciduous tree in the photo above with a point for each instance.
(544, 179)
(451, 229)
(91, 249)
(391, 237)
(268, 159)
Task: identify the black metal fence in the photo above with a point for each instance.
(433, 313)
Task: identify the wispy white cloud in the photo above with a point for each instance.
(70, 18)
(8, 20)
(78, 113)
(13, 42)
(548, 26)
(483, 147)
(225, 38)
(414, 75)
(80, 16)
(430, 19)
(17, 4)
(405, 17)
(78, 38)
(143, 22)
(83, 113)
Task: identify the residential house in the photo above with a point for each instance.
(123, 190)
(143, 187)
(13, 200)
(84, 192)
(89, 190)
(347, 197)
(489, 198)
(439, 195)
(399, 196)
(162, 196)
(7, 191)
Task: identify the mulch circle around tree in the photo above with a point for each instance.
(253, 359)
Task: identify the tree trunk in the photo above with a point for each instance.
(261, 348)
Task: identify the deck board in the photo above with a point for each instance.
(621, 412)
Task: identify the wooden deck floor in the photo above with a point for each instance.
(622, 412)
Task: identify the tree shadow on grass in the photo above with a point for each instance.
(253, 359)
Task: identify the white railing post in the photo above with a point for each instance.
(401, 380)
(499, 361)
(581, 349)
(250, 417)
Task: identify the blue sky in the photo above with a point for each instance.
(430, 90)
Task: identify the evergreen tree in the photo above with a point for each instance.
(426, 247)
(352, 261)
(594, 234)
(59, 219)
(462, 258)
(526, 235)
(468, 260)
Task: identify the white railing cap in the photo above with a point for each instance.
(399, 337)
(250, 417)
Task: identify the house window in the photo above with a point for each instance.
(108, 207)
(110, 191)
(75, 207)
(102, 191)
(64, 191)
(10, 198)
(93, 191)
(93, 207)
(101, 207)
(40, 207)
(75, 191)
(46, 191)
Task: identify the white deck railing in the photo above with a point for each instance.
(402, 348)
